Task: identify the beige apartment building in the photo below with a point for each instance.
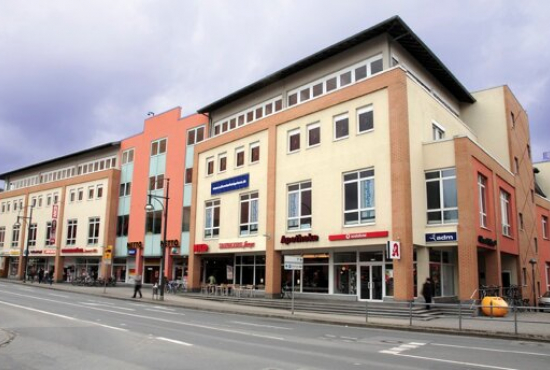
(368, 143)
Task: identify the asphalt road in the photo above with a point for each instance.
(64, 330)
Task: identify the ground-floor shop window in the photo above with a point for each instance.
(345, 273)
(442, 272)
(315, 273)
(250, 270)
(14, 266)
(119, 270)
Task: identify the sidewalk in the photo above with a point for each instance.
(530, 325)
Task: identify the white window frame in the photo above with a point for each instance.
(33, 231)
(363, 176)
(212, 231)
(239, 150)
(48, 234)
(544, 227)
(93, 230)
(337, 119)
(299, 218)
(442, 209)
(290, 135)
(222, 156)
(15, 234)
(251, 225)
(361, 111)
(72, 228)
(195, 131)
(438, 131)
(482, 190)
(158, 142)
(128, 156)
(2, 236)
(72, 196)
(251, 148)
(310, 127)
(80, 196)
(91, 192)
(505, 213)
(208, 161)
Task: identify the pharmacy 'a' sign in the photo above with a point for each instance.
(393, 250)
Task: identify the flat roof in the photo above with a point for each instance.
(4, 175)
(395, 27)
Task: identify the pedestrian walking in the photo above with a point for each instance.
(428, 292)
(137, 286)
(40, 275)
(50, 277)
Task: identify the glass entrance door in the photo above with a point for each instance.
(371, 282)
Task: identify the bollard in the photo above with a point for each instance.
(366, 312)
(410, 313)
(491, 307)
(516, 321)
(460, 316)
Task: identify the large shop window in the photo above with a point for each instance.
(359, 197)
(299, 206)
(442, 272)
(315, 273)
(153, 222)
(345, 273)
(441, 196)
(249, 214)
(212, 221)
(250, 270)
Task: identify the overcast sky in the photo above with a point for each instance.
(75, 74)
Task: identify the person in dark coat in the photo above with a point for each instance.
(40, 275)
(428, 292)
(137, 286)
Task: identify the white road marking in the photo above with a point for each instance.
(175, 341)
(164, 308)
(58, 295)
(103, 305)
(455, 362)
(61, 316)
(152, 318)
(261, 326)
(491, 349)
(166, 312)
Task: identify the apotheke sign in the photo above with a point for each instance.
(234, 183)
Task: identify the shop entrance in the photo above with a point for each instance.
(371, 282)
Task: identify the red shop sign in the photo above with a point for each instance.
(353, 236)
(200, 248)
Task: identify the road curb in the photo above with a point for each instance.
(303, 317)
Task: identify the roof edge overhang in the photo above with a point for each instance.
(395, 27)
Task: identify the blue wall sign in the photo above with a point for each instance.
(441, 237)
(234, 183)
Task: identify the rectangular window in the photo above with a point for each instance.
(222, 162)
(313, 134)
(49, 200)
(48, 235)
(33, 229)
(212, 219)
(505, 213)
(158, 147)
(249, 214)
(128, 156)
(317, 89)
(122, 225)
(125, 189)
(2, 236)
(156, 182)
(186, 219)
(55, 198)
(91, 192)
(15, 236)
(72, 196)
(545, 227)
(299, 206)
(93, 230)
(254, 152)
(376, 66)
(71, 232)
(292, 99)
(520, 216)
(442, 205)
(209, 166)
(294, 140)
(195, 135)
(482, 188)
(359, 201)
(80, 194)
(341, 127)
(188, 175)
(438, 132)
(239, 157)
(153, 222)
(365, 119)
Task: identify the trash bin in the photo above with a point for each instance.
(155, 292)
(494, 306)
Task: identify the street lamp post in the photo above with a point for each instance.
(149, 207)
(26, 253)
(533, 262)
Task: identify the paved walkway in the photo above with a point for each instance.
(527, 325)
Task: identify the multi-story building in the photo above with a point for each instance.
(369, 141)
(60, 213)
(158, 161)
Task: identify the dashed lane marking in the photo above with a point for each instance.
(175, 341)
